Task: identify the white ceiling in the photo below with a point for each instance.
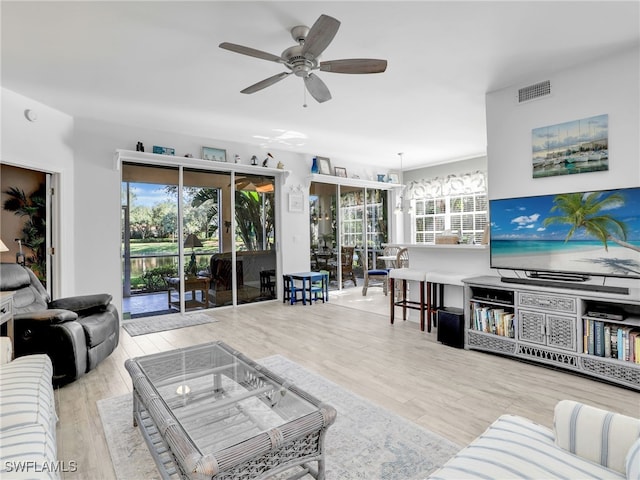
(157, 64)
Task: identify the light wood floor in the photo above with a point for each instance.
(456, 393)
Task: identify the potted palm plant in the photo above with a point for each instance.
(33, 208)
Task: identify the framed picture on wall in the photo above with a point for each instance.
(578, 146)
(393, 177)
(296, 202)
(324, 165)
(214, 154)
(340, 172)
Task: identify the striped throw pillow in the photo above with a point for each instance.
(598, 435)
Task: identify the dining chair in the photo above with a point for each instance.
(346, 260)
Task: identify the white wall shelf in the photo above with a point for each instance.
(351, 182)
(171, 160)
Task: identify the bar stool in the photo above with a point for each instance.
(409, 275)
(381, 274)
(435, 290)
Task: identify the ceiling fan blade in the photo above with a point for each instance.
(317, 88)
(354, 65)
(267, 82)
(320, 36)
(252, 52)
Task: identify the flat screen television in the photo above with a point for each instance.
(568, 236)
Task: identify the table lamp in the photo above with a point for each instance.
(192, 241)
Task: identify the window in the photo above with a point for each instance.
(454, 204)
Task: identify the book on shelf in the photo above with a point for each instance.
(598, 338)
(607, 340)
(493, 320)
(614, 340)
(626, 344)
(633, 350)
(610, 340)
(591, 345)
(498, 322)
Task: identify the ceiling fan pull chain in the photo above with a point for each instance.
(304, 96)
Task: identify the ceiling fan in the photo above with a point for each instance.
(303, 58)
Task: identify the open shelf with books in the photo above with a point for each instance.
(490, 320)
(611, 331)
(492, 311)
(591, 332)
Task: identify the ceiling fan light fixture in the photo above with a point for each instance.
(302, 59)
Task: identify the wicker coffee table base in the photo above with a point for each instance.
(296, 445)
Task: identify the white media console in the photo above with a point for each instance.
(560, 325)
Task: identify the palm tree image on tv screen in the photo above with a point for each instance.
(587, 233)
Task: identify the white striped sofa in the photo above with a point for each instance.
(28, 420)
(586, 442)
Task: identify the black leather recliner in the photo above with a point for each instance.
(76, 332)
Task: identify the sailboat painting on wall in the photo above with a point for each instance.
(578, 146)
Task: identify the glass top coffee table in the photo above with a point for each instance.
(208, 411)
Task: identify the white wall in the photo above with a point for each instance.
(609, 86)
(82, 152)
(45, 145)
(98, 184)
(456, 168)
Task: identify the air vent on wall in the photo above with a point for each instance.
(532, 92)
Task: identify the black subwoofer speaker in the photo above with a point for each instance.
(451, 327)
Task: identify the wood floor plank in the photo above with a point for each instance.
(456, 393)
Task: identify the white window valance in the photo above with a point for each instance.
(454, 184)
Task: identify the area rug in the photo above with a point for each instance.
(160, 323)
(366, 442)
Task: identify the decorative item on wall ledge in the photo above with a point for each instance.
(578, 146)
(340, 172)
(324, 165)
(381, 177)
(163, 150)
(393, 177)
(215, 154)
(314, 165)
(139, 147)
(296, 202)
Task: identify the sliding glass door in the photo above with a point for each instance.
(323, 224)
(200, 223)
(254, 238)
(348, 229)
(149, 238)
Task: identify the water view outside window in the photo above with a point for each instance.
(152, 207)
